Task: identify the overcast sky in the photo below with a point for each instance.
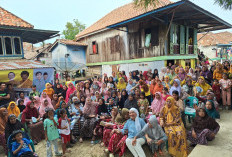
(54, 14)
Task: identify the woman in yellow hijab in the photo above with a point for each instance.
(170, 119)
(49, 90)
(13, 109)
(201, 83)
(121, 84)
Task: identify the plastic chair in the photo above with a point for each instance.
(10, 141)
(189, 107)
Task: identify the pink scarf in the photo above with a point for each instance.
(38, 102)
(47, 97)
(43, 107)
(69, 92)
(157, 104)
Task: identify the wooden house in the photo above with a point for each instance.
(142, 39)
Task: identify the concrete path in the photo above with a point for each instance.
(221, 146)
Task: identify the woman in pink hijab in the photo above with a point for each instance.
(37, 102)
(71, 90)
(157, 104)
(44, 104)
(44, 96)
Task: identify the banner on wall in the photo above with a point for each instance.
(41, 77)
(22, 78)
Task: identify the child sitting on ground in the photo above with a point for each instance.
(21, 147)
(51, 132)
(64, 126)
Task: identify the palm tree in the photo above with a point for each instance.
(226, 4)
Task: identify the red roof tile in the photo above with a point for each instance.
(120, 14)
(9, 19)
(71, 42)
(211, 39)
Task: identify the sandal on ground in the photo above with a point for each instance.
(81, 140)
(161, 153)
(111, 155)
(106, 151)
(58, 154)
(68, 151)
(155, 155)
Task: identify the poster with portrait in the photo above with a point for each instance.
(41, 77)
(22, 78)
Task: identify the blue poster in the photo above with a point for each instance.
(41, 77)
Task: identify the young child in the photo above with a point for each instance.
(21, 147)
(51, 132)
(217, 90)
(143, 105)
(110, 105)
(64, 126)
(226, 90)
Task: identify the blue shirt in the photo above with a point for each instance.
(74, 110)
(24, 149)
(130, 126)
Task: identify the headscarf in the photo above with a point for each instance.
(206, 122)
(131, 104)
(3, 120)
(60, 107)
(156, 132)
(14, 111)
(89, 108)
(137, 122)
(204, 86)
(43, 107)
(182, 74)
(12, 127)
(121, 116)
(145, 75)
(49, 91)
(170, 112)
(69, 92)
(157, 104)
(29, 112)
(123, 99)
(213, 112)
(120, 85)
(38, 102)
(47, 97)
(102, 108)
(178, 88)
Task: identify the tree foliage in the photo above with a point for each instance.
(226, 4)
(72, 29)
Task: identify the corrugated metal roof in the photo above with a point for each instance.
(21, 64)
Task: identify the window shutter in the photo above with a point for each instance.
(171, 39)
(195, 41)
(187, 40)
(182, 39)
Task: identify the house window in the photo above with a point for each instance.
(176, 34)
(152, 36)
(17, 46)
(115, 44)
(94, 47)
(1, 47)
(8, 46)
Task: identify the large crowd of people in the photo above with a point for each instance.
(120, 111)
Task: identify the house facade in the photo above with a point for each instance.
(140, 39)
(68, 55)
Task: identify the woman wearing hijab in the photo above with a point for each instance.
(49, 90)
(58, 88)
(89, 113)
(13, 109)
(133, 126)
(44, 105)
(117, 142)
(176, 86)
(105, 92)
(182, 74)
(70, 91)
(217, 74)
(211, 110)
(131, 102)
(145, 88)
(31, 117)
(201, 83)
(44, 96)
(3, 121)
(155, 136)
(123, 98)
(204, 128)
(207, 74)
(121, 84)
(130, 86)
(37, 102)
(170, 119)
(12, 124)
(157, 104)
(64, 106)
